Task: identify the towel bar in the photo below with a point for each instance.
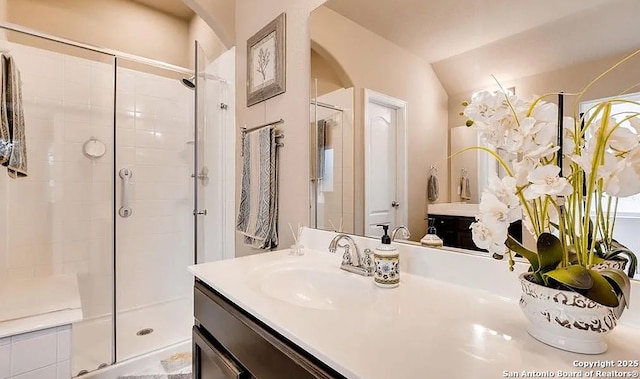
(246, 130)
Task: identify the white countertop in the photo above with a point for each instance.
(454, 209)
(423, 329)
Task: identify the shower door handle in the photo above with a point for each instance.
(125, 211)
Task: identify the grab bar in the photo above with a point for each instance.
(125, 211)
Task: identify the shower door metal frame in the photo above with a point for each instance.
(114, 53)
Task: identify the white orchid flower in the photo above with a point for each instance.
(635, 124)
(521, 171)
(526, 221)
(539, 152)
(482, 107)
(545, 181)
(495, 210)
(490, 236)
(623, 140)
(547, 134)
(491, 135)
(545, 112)
(504, 189)
(624, 181)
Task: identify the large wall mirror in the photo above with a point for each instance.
(399, 71)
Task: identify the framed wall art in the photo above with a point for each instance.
(266, 68)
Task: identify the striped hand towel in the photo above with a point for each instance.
(13, 147)
(258, 210)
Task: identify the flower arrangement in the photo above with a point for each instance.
(568, 207)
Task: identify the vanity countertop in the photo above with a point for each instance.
(423, 329)
(454, 209)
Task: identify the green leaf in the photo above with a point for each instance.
(549, 252)
(602, 291)
(573, 276)
(600, 249)
(620, 282)
(529, 255)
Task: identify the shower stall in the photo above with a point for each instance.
(332, 160)
(128, 184)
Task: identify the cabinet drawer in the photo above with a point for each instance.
(211, 362)
(261, 350)
(443, 223)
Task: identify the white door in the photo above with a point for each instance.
(385, 198)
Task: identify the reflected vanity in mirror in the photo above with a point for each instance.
(431, 57)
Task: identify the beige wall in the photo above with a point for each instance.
(328, 80)
(568, 79)
(209, 41)
(116, 24)
(292, 106)
(375, 63)
(3, 15)
(219, 15)
(462, 137)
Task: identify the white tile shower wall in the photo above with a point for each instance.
(154, 245)
(57, 220)
(44, 354)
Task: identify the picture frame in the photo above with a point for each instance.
(266, 62)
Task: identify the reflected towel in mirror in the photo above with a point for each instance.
(433, 189)
(465, 187)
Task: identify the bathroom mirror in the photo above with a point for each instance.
(433, 56)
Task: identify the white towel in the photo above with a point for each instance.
(258, 210)
(13, 147)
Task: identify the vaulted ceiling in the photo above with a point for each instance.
(437, 30)
(173, 7)
(463, 38)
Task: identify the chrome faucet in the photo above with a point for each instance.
(405, 232)
(363, 265)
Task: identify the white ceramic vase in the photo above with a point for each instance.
(619, 264)
(565, 319)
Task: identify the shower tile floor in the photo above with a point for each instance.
(176, 366)
(171, 323)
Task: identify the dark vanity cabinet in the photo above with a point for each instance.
(455, 231)
(230, 343)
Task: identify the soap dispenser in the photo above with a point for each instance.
(387, 262)
(432, 239)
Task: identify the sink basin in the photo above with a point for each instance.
(313, 287)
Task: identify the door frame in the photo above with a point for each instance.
(400, 106)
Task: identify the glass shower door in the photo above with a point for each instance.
(56, 222)
(154, 222)
(327, 182)
(209, 182)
